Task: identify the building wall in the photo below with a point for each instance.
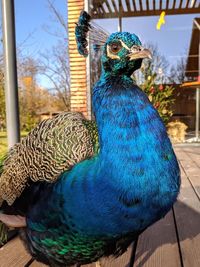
(78, 81)
(184, 108)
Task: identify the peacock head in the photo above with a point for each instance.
(123, 53)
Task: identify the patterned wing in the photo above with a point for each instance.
(93, 131)
(53, 146)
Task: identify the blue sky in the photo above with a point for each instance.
(33, 17)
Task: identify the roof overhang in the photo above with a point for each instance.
(192, 66)
(191, 84)
(101, 9)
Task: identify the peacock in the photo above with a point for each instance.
(81, 190)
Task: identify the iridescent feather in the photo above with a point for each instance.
(88, 32)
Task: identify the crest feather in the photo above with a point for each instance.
(87, 31)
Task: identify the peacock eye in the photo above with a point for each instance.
(115, 47)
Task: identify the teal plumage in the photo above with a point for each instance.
(103, 203)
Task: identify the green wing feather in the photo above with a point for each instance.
(3, 234)
(3, 227)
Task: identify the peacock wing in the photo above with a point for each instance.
(55, 145)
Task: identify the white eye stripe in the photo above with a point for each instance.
(124, 45)
(134, 48)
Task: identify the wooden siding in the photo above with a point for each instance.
(78, 83)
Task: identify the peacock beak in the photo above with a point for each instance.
(137, 52)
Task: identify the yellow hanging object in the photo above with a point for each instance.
(161, 20)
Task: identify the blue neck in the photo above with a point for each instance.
(125, 119)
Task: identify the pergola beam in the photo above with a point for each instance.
(134, 6)
(145, 13)
(174, 4)
(160, 6)
(115, 7)
(167, 4)
(128, 4)
(108, 6)
(143, 8)
(154, 4)
(193, 59)
(120, 16)
(194, 3)
(180, 5)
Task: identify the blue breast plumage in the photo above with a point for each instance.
(131, 183)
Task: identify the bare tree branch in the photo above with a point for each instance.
(58, 16)
(54, 65)
(177, 73)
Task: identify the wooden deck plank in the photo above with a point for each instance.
(13, 254)
(38, 264)
(187, 214)
(89, 265)
(190, 160)
(122, 261)
(193, 153)
(157, 246)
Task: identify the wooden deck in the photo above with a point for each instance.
(173, 241)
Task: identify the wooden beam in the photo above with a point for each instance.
(167, 4)
(147, 4)
(180, 5)
(115, 7)
(174, 3)
(128, 5)
(141, 5)
(154, 4)
(108, 6)
(160, 5)
(103, 7)
(194, 4)
(187, 3)
(134, 5)
(96, 7)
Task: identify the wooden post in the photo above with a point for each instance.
(197, 114)
(120, 17)
(78, 81)
(197, 89)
